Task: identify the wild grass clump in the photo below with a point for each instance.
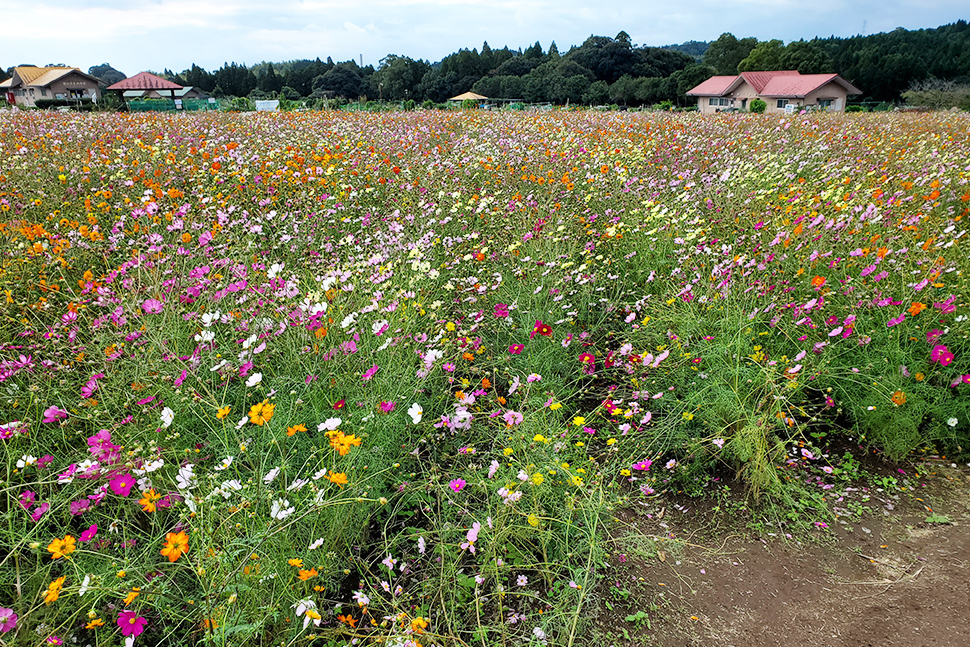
(380, 378)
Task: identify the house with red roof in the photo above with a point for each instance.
(30, 83)
(145, 85)
(782, 90)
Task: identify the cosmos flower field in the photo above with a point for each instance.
(350, 378)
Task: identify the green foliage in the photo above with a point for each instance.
(84, 104)
(727, 52)
(768, 55)
(757, 106)
(938, 94)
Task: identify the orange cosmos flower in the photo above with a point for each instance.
(62, 547)
(260, 414)
(899, 398)
(305, 575)
(54, 589)
(337, 478)
(916, 308)
(175, 545)
(342, 442)
(148, 499)
(292, 431)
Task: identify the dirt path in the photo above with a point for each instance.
(879, 578)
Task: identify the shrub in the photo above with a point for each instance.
(758, 106)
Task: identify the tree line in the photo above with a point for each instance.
(600, 70)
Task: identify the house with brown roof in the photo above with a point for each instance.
(29, 83)
(783, 90)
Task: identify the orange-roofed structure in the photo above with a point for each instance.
(782, 90)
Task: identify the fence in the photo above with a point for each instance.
(170, 105)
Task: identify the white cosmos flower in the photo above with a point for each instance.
(168, 417)
(952, 422)
(415, 411)
(254, 379)
(271, 475)
(275, 269)
(329, 424)
(281, 509)
(226, 462)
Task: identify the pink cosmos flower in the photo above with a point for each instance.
(39, 511)
(643, 466)
(152, 306)
(89, 534)
(458, 485)
(370, 373)
(388, 407)
(516, 349)
(512, 418)
(121, 484)
(53, 414)
(8, 620)
(131, 623)
(501, 310)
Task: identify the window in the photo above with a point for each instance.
(718, 101)
(825, 103)
(43, 92)
(782, 103)
(712, 101)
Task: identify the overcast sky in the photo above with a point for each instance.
(136, 35)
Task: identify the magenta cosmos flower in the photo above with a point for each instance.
(131, 623)
(516, 349)
(458, 485)
(941, 355)
(122, 484)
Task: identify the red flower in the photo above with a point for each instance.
(339, 404)
(540, 329)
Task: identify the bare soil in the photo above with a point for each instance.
(893, 568)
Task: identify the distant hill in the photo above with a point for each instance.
(695, 48)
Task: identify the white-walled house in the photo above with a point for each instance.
(778, 89)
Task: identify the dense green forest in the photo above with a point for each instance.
(601, 69)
